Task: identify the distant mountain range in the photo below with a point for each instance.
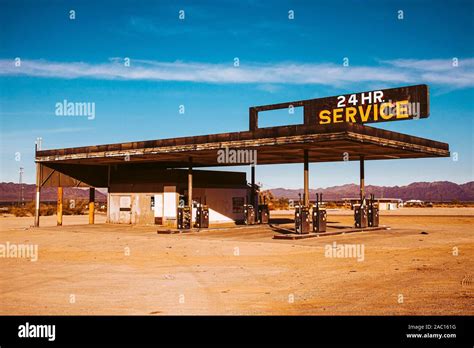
(425, 191)
(9, 192)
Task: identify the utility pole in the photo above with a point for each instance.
(38, 183)
(20, 194)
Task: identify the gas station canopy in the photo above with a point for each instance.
(333, 130)
(275, 145)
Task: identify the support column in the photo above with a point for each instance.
(190, 188)
(306, 179)
(38, 192)
(91, 205)
(253, 119)
(108, 194)
(252, 182)
(362, 179)
(59, 210)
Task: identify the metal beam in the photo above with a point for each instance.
(252, 183)
(108, 194)
(362, 180)
(59, 210)
(38, 194)
(306, 179)
(253, 119)
(190, 188)
(91, 205)
(47, 178)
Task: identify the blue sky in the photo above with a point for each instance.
(190, 62)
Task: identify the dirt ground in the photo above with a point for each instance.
(422, 265)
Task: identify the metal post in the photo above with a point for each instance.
(38, 192)
(253, 119)
(306, 179)
(20, 194)
(362, 180)
(108, 194)
(91, 205)
(252, 181)
(190, 189)
(59, 210)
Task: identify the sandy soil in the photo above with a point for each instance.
(400, 212)
(112, 269)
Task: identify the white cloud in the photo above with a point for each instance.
(431, 64)
(435, 71)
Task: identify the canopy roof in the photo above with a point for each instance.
(274, 145)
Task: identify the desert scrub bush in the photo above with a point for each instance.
(75, 207)
(47, 209)
(19, 211)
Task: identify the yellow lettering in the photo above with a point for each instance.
(338, 115)
(376, 112)
(324, 117)
(402, 113)
(350, 113)
(382, 111)
(364, 117)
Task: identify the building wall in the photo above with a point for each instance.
(136, 208)
(130, 208)
(220, 203)
(141, 209)
(388, 206)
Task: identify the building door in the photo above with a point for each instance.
(170, 203)
(158, 208)
(125, 210)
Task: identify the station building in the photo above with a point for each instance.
(155, 201)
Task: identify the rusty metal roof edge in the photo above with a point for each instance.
(401, 144)
(233, 138)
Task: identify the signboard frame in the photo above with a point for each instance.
(384, 105)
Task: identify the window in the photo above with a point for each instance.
(237, 204)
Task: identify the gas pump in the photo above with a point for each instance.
(263, 212)
(373, 213)
(184, 215)
(302, 222)
(249, 214)
(360, 214)
(202, 215)
(319, 215)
